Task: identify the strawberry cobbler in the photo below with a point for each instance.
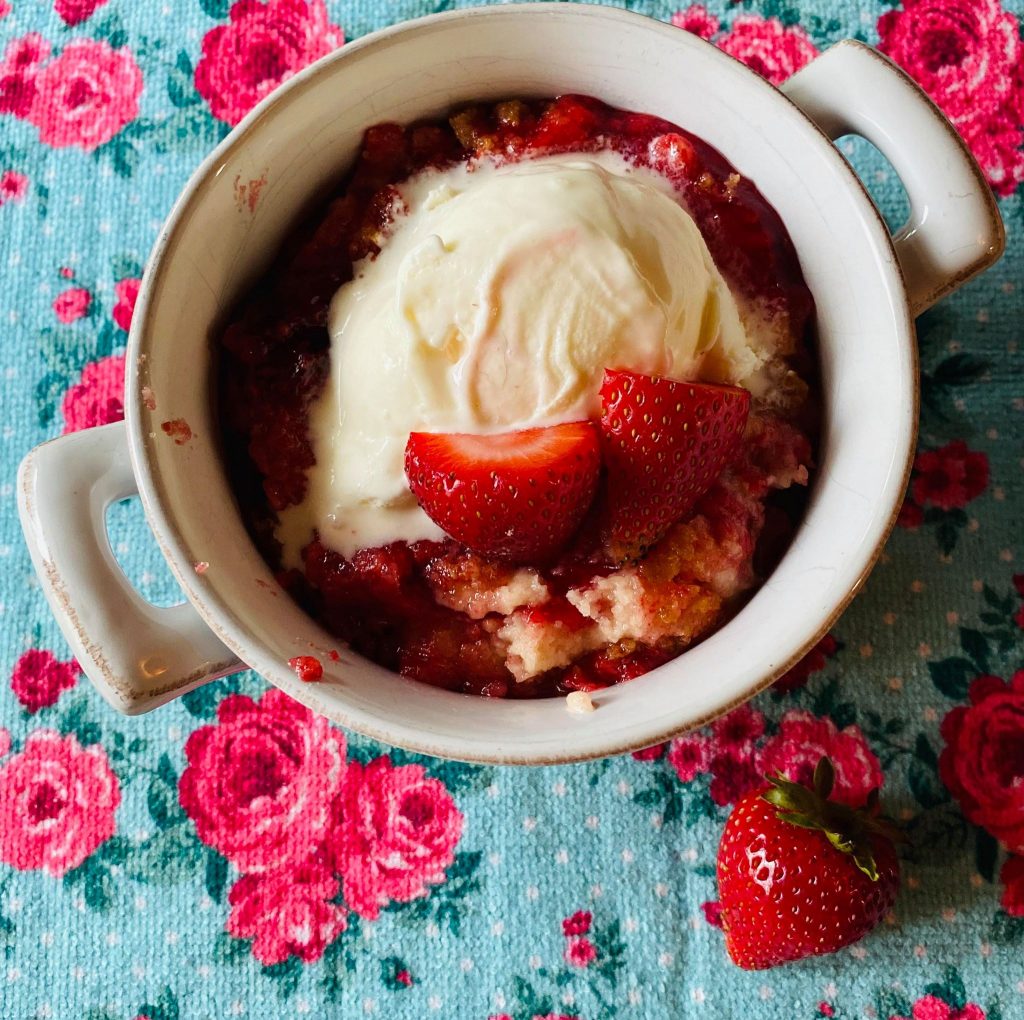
(529, 409)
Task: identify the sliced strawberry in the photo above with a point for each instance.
(664, 443)
(517, 496)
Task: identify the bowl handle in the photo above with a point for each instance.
(955, 230)
(137, 655)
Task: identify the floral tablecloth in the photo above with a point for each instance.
(232, 855)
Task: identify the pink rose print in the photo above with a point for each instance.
(732, 758)
(125, 294)
(5, 8)
(98, 397)
(578, 924)
(698, 20)
(5, 742)
(19, 70)
(712, 911)
(813, 662)
(689, 757)
(933, 1008)
(86, 95)
(982, 763)
(39, 678)
(767, 46)
(580, 952)
(259, 782)
(804, 738)
(74, 12)
(287, 912)
(262, 45)
(71, 304)
(737, 732)
(13, 186)
(395, 830)
(968, 56)
(1012, 877)
(949, 477)
(58, 801)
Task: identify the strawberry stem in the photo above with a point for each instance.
(849, 830)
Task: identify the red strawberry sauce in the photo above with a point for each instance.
(275, 360)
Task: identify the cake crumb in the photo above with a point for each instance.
(148, 398)
(579, 703)
(201, 567)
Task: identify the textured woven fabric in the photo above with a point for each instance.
(231, 855)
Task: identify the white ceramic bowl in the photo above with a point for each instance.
(868, 287)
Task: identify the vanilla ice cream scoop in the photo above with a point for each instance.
(496, 303)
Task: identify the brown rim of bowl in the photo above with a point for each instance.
(149, 482)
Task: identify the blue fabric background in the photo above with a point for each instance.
(550, 840)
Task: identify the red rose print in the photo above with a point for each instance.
(259, 783)
(804, 738)
(262, 45)
(395, 831)
(39, 678)
(98, 397)
(968, 56)
(74, 12)
(698, 20)
(650, 753)
(287, 912)
(813, 662)
(911, 516)
(19, 70)
(125, 294)
(57, 803)
(982, 763)
(949, 477)
(1012, 877)
(732, 776)
(580, 952)
(71, 304)
(767, 46)
(1018, 584)
(578, 924)
(13, 186)
(86, 95)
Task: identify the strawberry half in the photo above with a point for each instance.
(664, 443)
(800, 875)
(517, 496)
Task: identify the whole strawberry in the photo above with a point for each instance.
(800, 875)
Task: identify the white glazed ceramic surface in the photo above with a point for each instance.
(298, 142)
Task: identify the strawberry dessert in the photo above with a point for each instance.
(529, 408)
